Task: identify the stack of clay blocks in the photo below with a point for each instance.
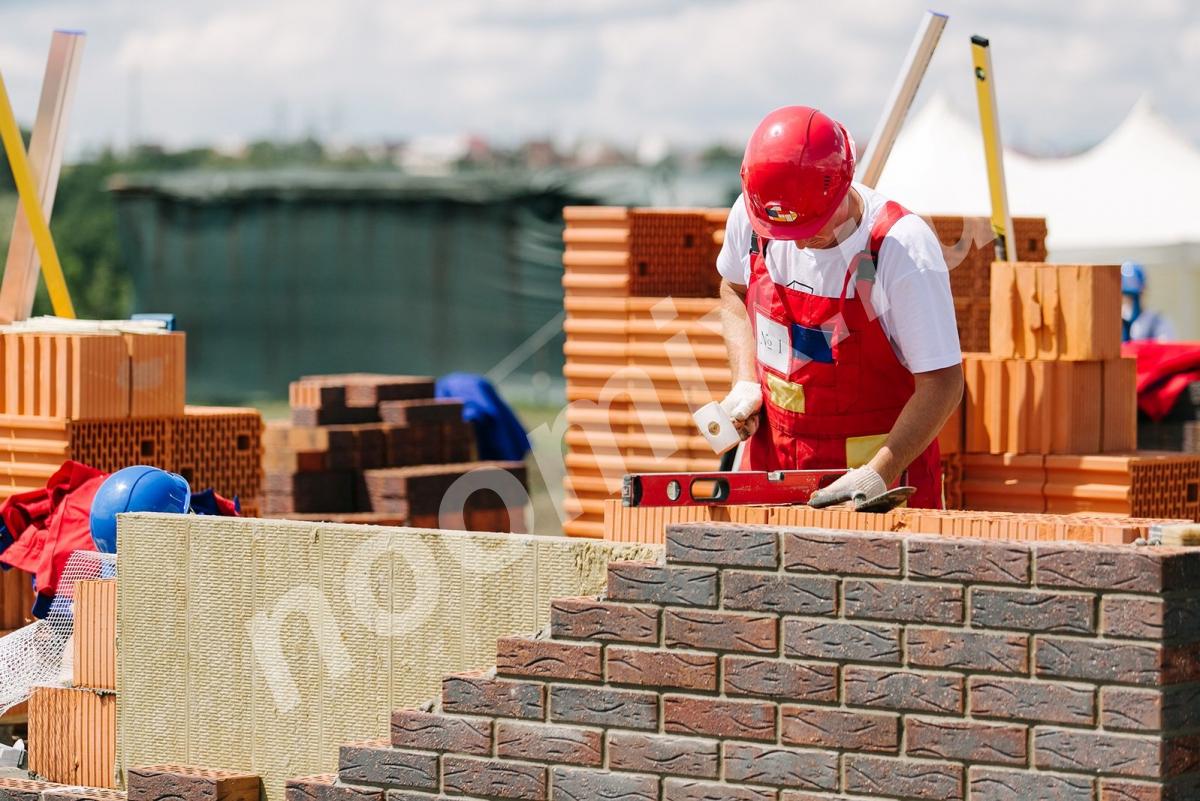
(73, 730)
(647, 524)
(98, 376)
(1050, 413)
(968, 245)
(643, 348)
(358, 443)
(216, 447)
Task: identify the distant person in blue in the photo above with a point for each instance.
(1137, 322)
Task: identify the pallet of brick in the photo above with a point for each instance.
(190, 783)
(351, 397)
(94, 660)
(72, 735)
(415, 491)
(101, 375)
(1055, 311)
(1144, 484)
(840, 665)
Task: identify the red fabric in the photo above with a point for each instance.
(48, 524)
(859, 392)
(1164, 370)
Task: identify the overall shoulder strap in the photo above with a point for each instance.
(888, 216)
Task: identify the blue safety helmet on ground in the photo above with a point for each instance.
(1133, 278)
(135, 489)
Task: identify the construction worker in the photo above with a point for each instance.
(1138, 323)
(837, 314)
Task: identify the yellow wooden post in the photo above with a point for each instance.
(993, 148)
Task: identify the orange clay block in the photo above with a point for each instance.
(1119, 414)
(95, 659)
(72, 735)
(157, 374)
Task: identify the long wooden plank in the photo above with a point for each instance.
(45, 160)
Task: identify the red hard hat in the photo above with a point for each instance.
(798, 167)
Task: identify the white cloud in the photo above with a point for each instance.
(694, 71)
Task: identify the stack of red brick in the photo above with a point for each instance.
(644, 346)
(1049, 422)
(378, 449)
(797, 665)
(112, 399)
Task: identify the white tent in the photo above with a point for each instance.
(1124, 199)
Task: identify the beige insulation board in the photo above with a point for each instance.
(262, 645)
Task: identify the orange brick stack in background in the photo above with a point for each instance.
(644, 346)
(73, 730)
(1050, 413)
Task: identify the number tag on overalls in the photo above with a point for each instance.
(774, 344)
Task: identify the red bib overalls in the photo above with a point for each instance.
(832, 384)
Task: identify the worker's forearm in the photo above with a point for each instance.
(739, 338)
(934, 398)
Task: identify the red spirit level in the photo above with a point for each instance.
(724, 488)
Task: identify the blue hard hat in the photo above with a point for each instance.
(1133, 278)
(135, 489)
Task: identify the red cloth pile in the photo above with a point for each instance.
(1164, 371)
(48, 524)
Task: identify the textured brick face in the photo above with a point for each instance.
(799, 665)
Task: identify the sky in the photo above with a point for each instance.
(222, 72)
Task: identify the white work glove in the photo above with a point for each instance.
(742, 405)
(858, 484)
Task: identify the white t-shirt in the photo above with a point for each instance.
(912, 283)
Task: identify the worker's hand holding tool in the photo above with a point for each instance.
(866, 488)
(742, 405)
(859, 483)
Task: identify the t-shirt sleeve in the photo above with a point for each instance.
(733, 262)
(913, 298)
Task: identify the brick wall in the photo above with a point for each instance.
(761, 664)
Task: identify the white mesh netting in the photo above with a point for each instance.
(35, 655)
